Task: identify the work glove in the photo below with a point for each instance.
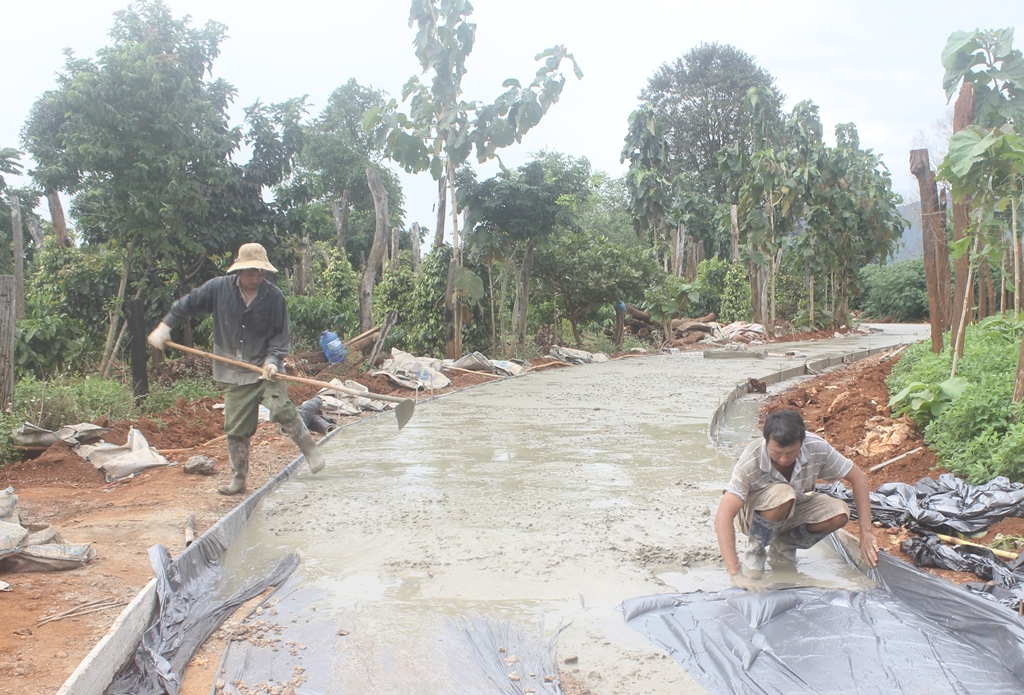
(741, 581)
(160, 335)
(269, 371)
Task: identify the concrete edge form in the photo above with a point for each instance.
(99, 667)
(806, 368)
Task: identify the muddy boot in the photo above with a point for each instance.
(238, 452)
(760, 535)
(296, 429)
(782, 552)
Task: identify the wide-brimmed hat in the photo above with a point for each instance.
(252, 256)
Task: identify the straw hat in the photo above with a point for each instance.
(252, 256)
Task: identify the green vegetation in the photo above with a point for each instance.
(971, 423)
(894, 292)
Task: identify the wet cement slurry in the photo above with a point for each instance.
(544, 500)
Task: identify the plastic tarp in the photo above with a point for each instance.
(413, 372)
(1007, 578)
(945, 503)
(572, 356)
(188, 608)
(120, 461)
(913, 633)
(477, 362)
(290, 641)
(34, 547)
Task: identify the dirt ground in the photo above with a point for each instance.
(122, 520)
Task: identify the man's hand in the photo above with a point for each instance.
(269, 371)
(869, 547)
(740, 581)
(160, 335)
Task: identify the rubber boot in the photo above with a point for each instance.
(760, 535)
(296, 429)
(238, 453)
(783, 550)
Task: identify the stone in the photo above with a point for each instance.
(200, 465)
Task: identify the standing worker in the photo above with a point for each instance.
(250, 324)
(771, 498)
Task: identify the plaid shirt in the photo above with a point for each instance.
(817, 460)
(256, 334)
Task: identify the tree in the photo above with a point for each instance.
(517, 210)
(145, 145)
(589, 273)
(699, 99)
(28, 198)
(441, 129)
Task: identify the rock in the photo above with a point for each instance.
(200, 465)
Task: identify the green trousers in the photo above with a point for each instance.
(242, 406)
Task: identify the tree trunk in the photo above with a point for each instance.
(451, 350)
(115, 314)
(416, 257)
(394, 249)
(380, 206)
(963, 311)
(814, 326)
(525, 308)
(678, 249)
(60, 226)
(341, 219)
(309, 284)
(8, 298)
(1016, 257)
(19, 258)
(32, 225)
(734, 216)
(490, 293)
(963, 117)
(442, 198)
(457, 255)
(921, 169)
(1018, 384)
(136, 310)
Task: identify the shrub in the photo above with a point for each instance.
(711, 278)
(896, 291)
(736, 305)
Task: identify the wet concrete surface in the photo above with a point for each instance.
(544, 500)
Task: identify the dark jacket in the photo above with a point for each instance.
(257, 334)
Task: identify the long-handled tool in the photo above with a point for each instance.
(403, 412)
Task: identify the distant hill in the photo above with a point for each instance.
(910, 245)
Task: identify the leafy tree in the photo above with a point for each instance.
(699, 99)
(589, 273)
(648, 179)
(28, 199)
(441, 129)
(146, 147)
(895, 291)
(517, 210)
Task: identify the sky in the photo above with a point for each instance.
(874, 63)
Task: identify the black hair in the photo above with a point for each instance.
(784, 427)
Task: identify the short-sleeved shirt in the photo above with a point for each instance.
(817, 460)
(257, 333)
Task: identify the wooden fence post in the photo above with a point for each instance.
(136, 310)
(7, 301)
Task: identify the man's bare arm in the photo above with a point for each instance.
(725, 529)
(859, 482)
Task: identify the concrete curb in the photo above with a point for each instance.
(807, 368)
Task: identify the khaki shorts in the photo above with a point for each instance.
(809, 508)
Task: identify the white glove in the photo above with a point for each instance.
(741, 581)
(269, 371)
(160, 335)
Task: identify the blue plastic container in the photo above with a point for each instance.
(334, 349)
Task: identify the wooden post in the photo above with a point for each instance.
(341, 218)
(963, 117)
(394, 249)
(136, 309)
(19, 258)
(60, 226)
(7, 301)
(921, 169)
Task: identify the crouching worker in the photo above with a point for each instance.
(250, 324)
(771, 499)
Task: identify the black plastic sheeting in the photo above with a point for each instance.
(188, 614)
(294, 639)
(944, 504)
(187, 611)
(914, 633)
(1007, 578)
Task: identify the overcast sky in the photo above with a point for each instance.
(872, 62)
